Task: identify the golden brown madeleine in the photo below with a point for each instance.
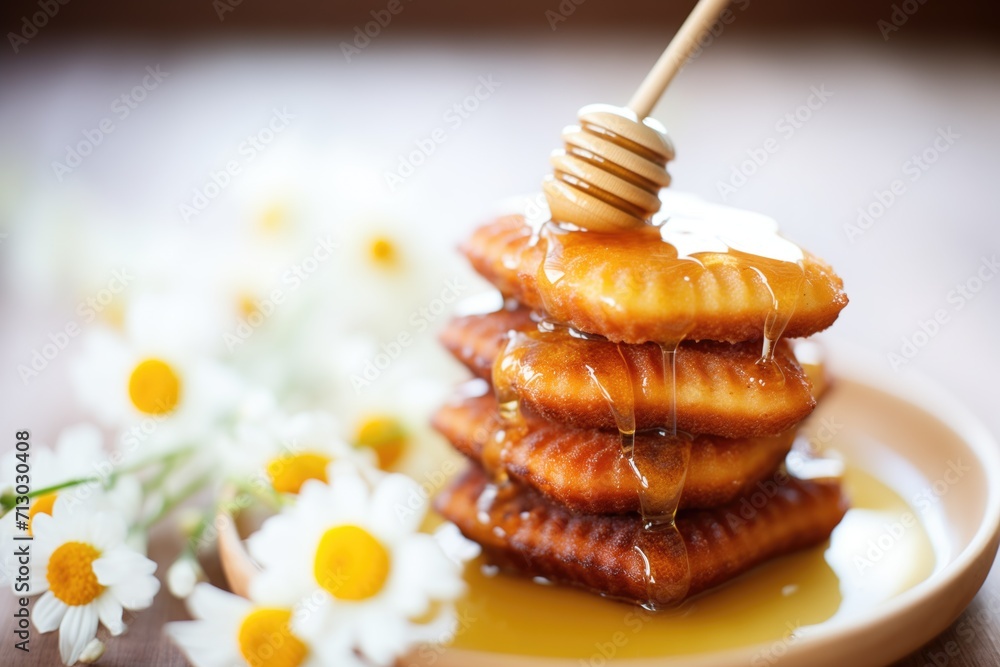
(526, 533)
(631, 287)
(721, 389)
(587, 471)
(476, 340)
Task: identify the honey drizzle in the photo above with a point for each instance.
(659, 543)
(510, 426)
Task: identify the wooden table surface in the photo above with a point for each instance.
(889, 100)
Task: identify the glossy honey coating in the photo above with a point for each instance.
(609, 175)
(586, 470)
(720, 389)
(528, 534)
(635, 287)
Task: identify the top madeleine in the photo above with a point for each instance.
(700, 272)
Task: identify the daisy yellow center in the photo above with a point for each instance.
(71, 573)
(383, 253)
(266, 639)
(289, 473)
(247, 305)
(385, 435)
(274, 219)
(114, 314)
(42, 505)
(154, 387)
(351, 564)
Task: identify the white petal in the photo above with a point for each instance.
(46, 533)
(210, 602)
(75, 521)
(78, 627)
(455, 545)
(269, 545)
(110, 613)
(136, 593)
(202, 644)
(348, 498)
(273, 587)
(108, 531)
(423, 573)
(382, 639)
(397, 507)
(118, 565)
(93, 651)
(318, 616)
(48, 612)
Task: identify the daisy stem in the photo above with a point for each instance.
(169, 463)
(109, 481)
(59, 487)
(8, 500)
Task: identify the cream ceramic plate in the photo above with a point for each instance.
(898, 429)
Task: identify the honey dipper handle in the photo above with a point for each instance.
(701, 18)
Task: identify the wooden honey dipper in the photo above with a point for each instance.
(609, 175)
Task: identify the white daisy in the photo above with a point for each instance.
(85, 574)
(151, 385)
(393, 419)
(353, 550)
(78, 455)
(288, 450)
(391, 281)
(230, 631)
(77, 452)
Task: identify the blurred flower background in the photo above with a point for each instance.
(227, 229)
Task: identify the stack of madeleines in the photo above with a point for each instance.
(643, 400)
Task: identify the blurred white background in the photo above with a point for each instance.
(353, 122)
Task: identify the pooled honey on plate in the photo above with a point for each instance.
(769, 605)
